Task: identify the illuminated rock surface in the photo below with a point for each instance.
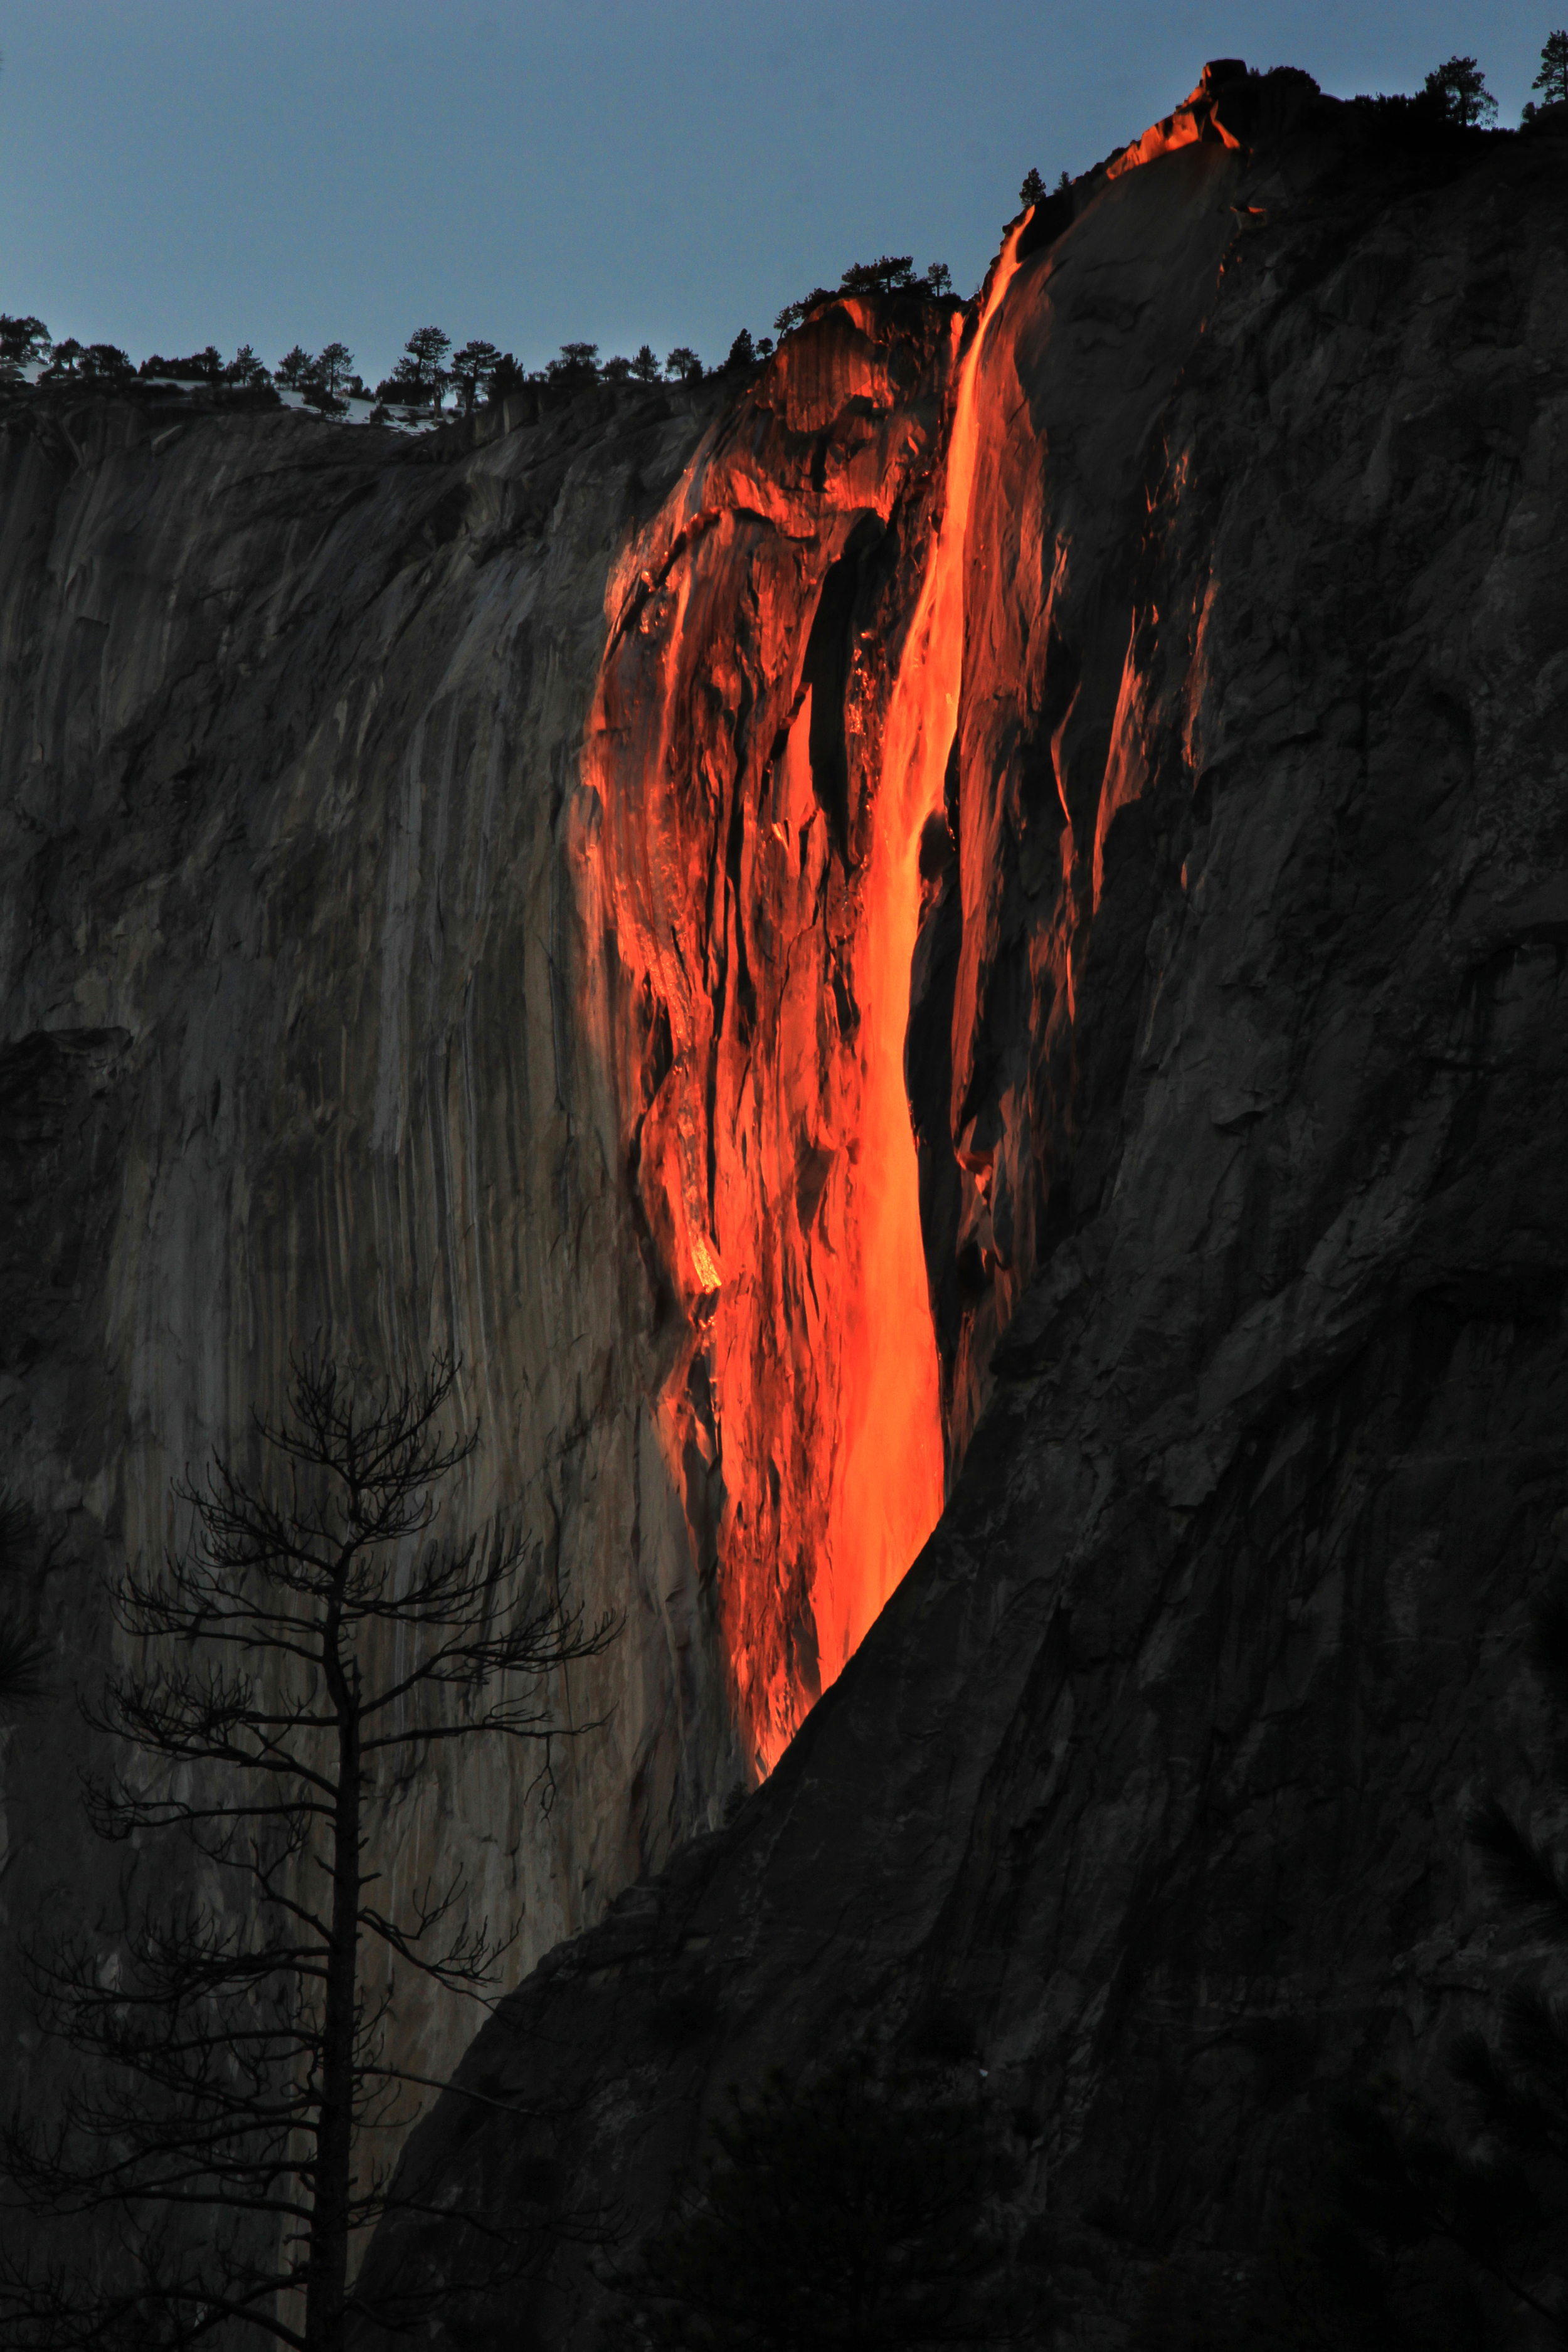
(740, 855)
(1237, 1060)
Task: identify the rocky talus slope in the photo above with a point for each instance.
(964, 932)
(1236, 1062)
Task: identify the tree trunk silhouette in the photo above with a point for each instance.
(310, 1643)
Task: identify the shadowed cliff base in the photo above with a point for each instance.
(1246, 901)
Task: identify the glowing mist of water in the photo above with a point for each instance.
(887, 1493)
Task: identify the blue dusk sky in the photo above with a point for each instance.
(175, 173)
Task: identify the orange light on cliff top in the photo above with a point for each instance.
(887, 1490)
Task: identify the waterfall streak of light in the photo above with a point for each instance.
(887, 1493)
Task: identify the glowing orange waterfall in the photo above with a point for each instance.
(757, 875)
(887, 1493)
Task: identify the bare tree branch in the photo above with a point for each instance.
(233, 2063)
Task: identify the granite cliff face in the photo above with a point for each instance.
(976, 916)
(292, 973)
(1236, 1062)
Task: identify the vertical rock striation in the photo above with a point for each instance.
(292, 976)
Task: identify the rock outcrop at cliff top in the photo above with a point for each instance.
(1237, 1059)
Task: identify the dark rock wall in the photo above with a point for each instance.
(289, 976)
(1243, 976)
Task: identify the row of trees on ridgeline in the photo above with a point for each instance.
(428, 367)
(1456, 89)
(427, 371)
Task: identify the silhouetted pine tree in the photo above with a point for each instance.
(1551, 80)
(1458, 86)
(290, 1668)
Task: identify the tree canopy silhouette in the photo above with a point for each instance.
(421, 375)
(890, 273)
(1551, 80)
(1458, 86)
(333, 366)
(575, 363)
(472, 370)
(23, 342)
